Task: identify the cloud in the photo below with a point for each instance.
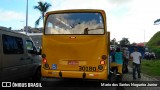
(125, 18)
(11, 15)
(78, 4)
(40, 0)
(136, 23)
(119, 1)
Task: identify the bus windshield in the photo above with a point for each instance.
(74, 23)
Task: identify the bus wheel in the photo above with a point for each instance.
(37, 75)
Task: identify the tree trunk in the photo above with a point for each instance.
(43, 17)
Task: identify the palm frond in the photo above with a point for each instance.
(37, 21)
(38, 8)
(42, 7)
(47, 5)
(40, 4)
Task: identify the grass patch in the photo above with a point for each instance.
(151, 67)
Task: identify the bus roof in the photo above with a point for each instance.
(76, 10)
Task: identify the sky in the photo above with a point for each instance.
(132, 19)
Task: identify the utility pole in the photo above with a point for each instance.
(114, 43)
(27, 18)
(144, 37)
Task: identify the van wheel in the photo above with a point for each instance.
(37, 75)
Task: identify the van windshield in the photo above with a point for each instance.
(74, 23)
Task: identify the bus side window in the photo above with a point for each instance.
(49, 28)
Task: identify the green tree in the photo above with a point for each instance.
(43, 8)
(124, 41)
(113, 42)
(156, 22)
(134, 44)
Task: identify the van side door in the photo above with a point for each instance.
(12, 56)
(0, 56)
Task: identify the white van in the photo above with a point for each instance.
(19, 58)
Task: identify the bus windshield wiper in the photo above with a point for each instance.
(86, 30)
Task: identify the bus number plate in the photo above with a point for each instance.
(87, 68)
(72, 62)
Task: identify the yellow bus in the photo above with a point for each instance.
(75, 44)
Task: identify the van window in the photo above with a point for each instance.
(12, 45)
(29, 45)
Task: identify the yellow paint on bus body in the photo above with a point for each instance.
(72, 57)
